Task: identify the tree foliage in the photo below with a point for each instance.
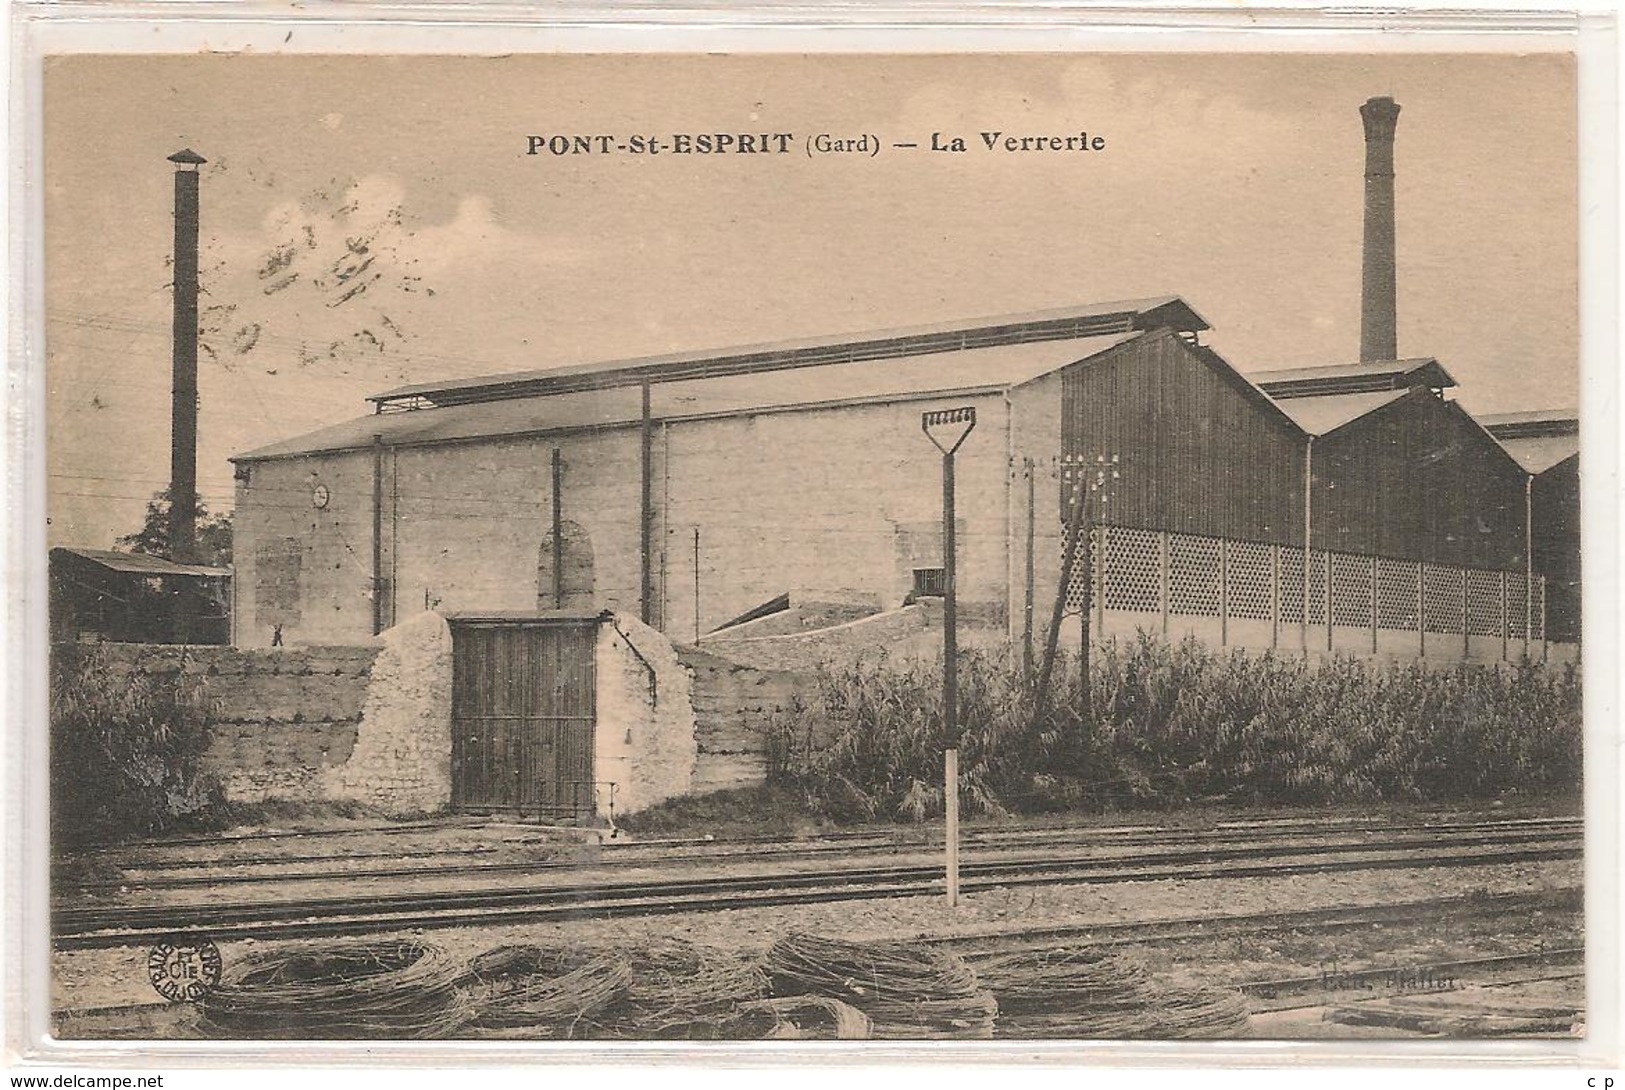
(213, 533)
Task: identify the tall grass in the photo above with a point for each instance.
(127, 749)
(1166, 725)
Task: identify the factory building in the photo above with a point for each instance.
(768, 490)
(799, 472)
(1546, 444)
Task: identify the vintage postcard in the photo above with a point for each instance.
(980, 547)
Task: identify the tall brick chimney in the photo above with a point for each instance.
(183, 412)
(1379, 336)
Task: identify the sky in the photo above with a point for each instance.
(373, 221)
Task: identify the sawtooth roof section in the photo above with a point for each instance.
(1353, 378)
(1067, 323)
(1323, 415)
(1536, 423)
(1539, 453)
(972, 370)
(140, 563)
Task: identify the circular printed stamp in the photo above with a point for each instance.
(184, 971)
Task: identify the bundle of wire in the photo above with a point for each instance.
(1047, 981)
(1163, 1014)
(1201, 1013)
(799, 1018)
(909, 992)
(352, 988)
(678, 990)
(551, 991)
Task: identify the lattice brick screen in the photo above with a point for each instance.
(1247, 580)
(1537, 617)
(1193, 575)
(1396, 594)
(1441, 599)
(1351, 590)
(1515, 605)
(1484, 603)
(1133, 575)
(1317, 587)
(1291, 562)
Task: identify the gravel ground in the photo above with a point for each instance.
(88, 979)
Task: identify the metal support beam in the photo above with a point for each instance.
(646, 516)
(377, 534)
(558, 528)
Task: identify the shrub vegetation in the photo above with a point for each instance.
(1168, 725)
(126, 750)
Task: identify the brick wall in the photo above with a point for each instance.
(303, 567)
(833, 505)
(401, 759)
(645, 742)
(281, 719)
(735, 707)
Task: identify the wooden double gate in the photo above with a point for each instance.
(523, 713)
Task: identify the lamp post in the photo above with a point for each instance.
(947, 430)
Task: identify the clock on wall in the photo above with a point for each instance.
(319, 496)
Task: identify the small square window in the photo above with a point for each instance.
(930, 583)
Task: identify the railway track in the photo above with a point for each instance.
(992, 943)
(508, 860)
(103, 926)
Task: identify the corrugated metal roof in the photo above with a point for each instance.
(141, 563)
(1539, 453)
(1531, 423)
(1321, 415)
(1064, 323)
(974, 370)
(1353, 378)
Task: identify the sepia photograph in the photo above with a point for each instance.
(1034, 547)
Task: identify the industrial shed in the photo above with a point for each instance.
(1546, 444)
(691, 489)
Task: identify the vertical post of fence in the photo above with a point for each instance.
(1162, 577)
(1421, 608)
(1328, 601)
(1545, 644)
(1506, 621)
(696, 585)
(1374, 602)
(1224, 591)
(1466, 640)
(1275, 595)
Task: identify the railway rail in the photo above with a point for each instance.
(276, 869)
(103, 926)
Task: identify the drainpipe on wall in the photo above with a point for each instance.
(646, 515)
(1529, 562)
(377, 534)
(1009, 516)
(1308, 529)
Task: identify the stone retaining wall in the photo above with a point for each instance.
(281, 718)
